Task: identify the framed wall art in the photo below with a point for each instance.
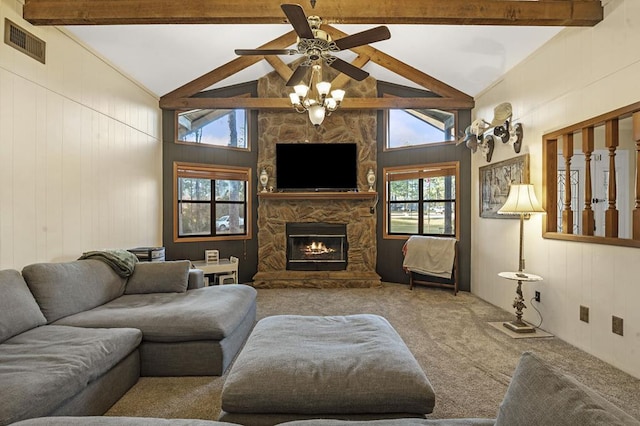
(495, 180)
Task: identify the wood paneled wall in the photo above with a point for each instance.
(79, 154)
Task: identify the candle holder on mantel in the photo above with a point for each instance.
(264, 179)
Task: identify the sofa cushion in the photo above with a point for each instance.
(18, 309)
(45, 366)
(209, 313)
(159, 277)
(63, 289)
(540, 395)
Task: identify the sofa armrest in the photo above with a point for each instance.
(196, 279)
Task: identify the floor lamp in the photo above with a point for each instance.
(522, 201)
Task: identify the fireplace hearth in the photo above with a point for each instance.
(316, 246)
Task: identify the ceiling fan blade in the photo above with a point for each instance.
(263, 52)
(297, 76)
(364, 37)
(348, 69)
(297, 19)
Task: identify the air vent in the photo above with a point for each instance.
(24, 41)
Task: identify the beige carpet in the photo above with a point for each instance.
(468, 362)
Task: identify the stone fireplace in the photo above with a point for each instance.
(277, 210)
(354, 211)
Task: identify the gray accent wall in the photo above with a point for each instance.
(245, 250)
(389, 251)
(389, 262)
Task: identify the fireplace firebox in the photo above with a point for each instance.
(315, 246)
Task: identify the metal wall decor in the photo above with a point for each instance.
(483, 135)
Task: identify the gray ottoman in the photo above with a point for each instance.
(347, 367)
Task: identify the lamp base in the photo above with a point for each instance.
(519, 327)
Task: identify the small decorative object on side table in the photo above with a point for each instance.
(519, 326)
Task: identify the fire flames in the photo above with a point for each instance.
(317, 248)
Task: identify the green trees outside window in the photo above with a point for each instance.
(421, 200)
(211, 201)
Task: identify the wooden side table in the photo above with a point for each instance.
(519, 326)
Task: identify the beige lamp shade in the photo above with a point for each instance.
(521, 200)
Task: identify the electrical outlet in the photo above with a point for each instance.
(536, 296)
(617, 325)
(584, 313)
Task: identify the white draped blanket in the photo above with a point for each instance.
(429, 255)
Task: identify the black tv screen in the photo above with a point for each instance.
(317, 166)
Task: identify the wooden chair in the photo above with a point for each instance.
(421, 279)
(211, 256)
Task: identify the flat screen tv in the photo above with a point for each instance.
(317, 166)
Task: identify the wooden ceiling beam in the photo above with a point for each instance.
(448, 12)
(284, 103)
(450, 98)
(279, 65)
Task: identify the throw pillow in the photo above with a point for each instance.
(19, 311)
(159, 277)
(540, 395)
(66, 288)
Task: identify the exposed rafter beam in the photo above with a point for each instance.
(450, 12)
(449, 97)
(284, 103)
(281, 68)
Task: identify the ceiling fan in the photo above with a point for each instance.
(317, 45)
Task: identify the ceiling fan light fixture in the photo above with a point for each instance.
(331, 104)
(315, 98)
(295, 99)
(323, 88)
(317, 45)
(316, 114)
(301, 90)
(338, 95)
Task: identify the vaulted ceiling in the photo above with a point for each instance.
(455, 48)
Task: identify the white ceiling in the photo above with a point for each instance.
(165, 57)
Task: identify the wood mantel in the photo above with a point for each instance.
(318, 195)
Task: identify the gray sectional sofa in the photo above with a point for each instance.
(75, 336)
(538, 395)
